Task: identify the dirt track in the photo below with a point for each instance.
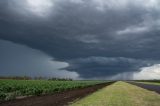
(59, 99)
(150, 87)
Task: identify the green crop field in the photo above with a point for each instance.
(10, 89)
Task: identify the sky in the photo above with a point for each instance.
(80, 39)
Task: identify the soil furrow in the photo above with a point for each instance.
(58, 99)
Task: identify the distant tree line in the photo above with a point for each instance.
(60, 79)
(16, 77)
(35, 78)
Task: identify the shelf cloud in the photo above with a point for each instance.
(96, 38)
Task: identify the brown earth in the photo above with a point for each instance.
(58, 99)
(150, 87)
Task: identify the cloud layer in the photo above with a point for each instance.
(95, 37)
(20, 60)
(152, 72)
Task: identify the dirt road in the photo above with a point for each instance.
(150, 87)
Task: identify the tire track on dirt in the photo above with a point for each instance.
(150, 87)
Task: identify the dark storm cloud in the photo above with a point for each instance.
(95, 31)
(101, 66)
(20, 60)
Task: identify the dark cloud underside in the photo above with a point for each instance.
(97, 38)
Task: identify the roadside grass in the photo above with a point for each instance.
(120, 94)
(151, 83)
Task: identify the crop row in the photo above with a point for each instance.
(10, 89)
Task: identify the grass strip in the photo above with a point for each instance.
(120, 94)
(151, 83)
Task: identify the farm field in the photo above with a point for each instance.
(148, 82)
(11, 89)
(120, 94)
(64, 93)
(57, 99)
